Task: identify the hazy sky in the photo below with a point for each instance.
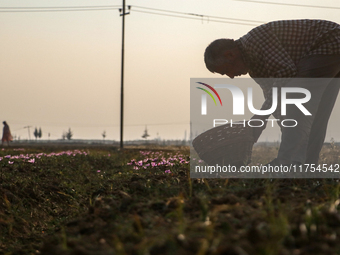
(61, 70)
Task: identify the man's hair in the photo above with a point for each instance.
(213, 53)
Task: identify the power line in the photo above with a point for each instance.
(183, 17)
(155, 11)
(61, 10)
(62, 7)
(194, 14)
(296, 5)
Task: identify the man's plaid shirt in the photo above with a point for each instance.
(273, 50)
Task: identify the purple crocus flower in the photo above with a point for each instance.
(31, 160)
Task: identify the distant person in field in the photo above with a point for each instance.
(6, 134)
(287, 49)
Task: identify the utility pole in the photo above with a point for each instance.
(122, 13)
(29, 133)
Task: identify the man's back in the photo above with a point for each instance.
(273, 49)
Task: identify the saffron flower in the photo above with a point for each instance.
(31, 160)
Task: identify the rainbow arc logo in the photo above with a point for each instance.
(209, 93)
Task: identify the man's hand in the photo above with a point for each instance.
(257, 131)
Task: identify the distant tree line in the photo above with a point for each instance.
(37, 133)
(67, 135)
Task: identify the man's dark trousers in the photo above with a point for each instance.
(302, 144)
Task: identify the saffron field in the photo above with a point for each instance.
(99, 200)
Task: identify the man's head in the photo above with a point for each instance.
(224, 57)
